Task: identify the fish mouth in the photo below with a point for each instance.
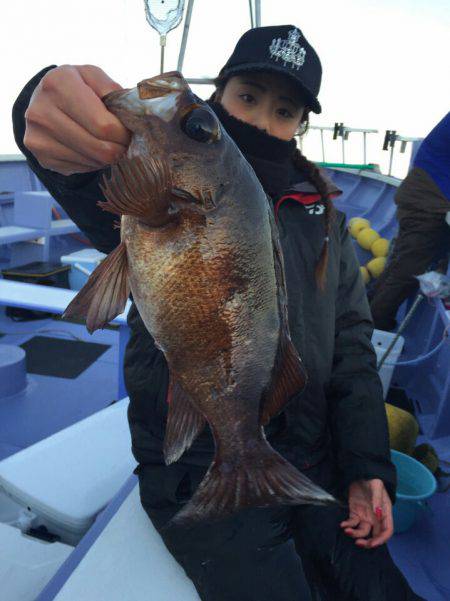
(157, 96)
(161, 85)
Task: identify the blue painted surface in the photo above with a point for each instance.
(12, 370)
(423, 553)
(428, 382)
(50, 404)
(16, 175)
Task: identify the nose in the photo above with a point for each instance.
(262, 121)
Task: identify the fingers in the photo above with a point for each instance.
(69, 168)
(361, 531)
(386, 530)
(48, 150)
(81, 101)
(49, 132)
(98, 80)
(351, 522)
(356, 526)
(381, 531)
(67, 124)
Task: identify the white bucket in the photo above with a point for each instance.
(381, 340)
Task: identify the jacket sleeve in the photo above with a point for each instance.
(78, 194)
(356, 407)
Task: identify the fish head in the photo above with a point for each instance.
(170, 122)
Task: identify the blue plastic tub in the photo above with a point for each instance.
(415, 484)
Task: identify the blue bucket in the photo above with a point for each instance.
(415, 484)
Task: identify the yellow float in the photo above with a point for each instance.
(365, 274)
(376, 266)
(380, 247)
(367, 237)
(357, 224)
(403, 429)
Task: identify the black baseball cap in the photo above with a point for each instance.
(281, 49)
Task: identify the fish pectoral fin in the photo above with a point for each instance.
(142, 187)
(184, 423)
(105, 294)
(288, 379)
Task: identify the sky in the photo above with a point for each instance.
(386, 63)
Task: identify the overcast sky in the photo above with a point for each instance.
(386, 63)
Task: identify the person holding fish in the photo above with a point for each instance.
(256, 410)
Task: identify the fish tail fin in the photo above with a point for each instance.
(259, 481)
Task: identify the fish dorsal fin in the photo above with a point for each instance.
(140, 186)
(288, 374)
(184, 423)
(105, 294)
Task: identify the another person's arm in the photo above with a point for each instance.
(69, 139)
(356, 408)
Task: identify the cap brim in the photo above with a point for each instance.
(311, 100)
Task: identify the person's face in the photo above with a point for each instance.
(266, 100)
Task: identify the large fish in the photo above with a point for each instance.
(200, 253)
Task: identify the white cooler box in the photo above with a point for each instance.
(381, 340)
(65, 480)
(82, 263)
(27, 564)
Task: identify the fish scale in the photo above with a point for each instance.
(200, 253)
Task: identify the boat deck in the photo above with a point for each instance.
(51, 402)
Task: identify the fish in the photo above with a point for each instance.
(201, 256)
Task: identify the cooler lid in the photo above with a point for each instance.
(69, 477)
(86, 255)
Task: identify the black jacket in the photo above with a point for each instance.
(341, 411)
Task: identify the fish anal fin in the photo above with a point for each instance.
(184, 423)
(105, 294)
(140, 186)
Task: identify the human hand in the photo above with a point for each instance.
(370, 513)
(68, 128)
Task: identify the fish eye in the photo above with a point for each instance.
(201, 125)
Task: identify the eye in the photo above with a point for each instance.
(201, 126)
(247, 98)
(285, 113)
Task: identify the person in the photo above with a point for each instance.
(336, 431)
(423, 214)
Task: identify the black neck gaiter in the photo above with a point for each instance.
(270, 157)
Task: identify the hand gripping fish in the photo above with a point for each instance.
(200, 253)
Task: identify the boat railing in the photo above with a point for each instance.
(391, 137)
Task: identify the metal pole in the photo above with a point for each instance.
(343, 150)
(390, 159)
(208, 81)
(187, 23)
(365, 160)
(162, 41)
(323, 146)
(252, 19)
(258, 13)
(402, 326)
